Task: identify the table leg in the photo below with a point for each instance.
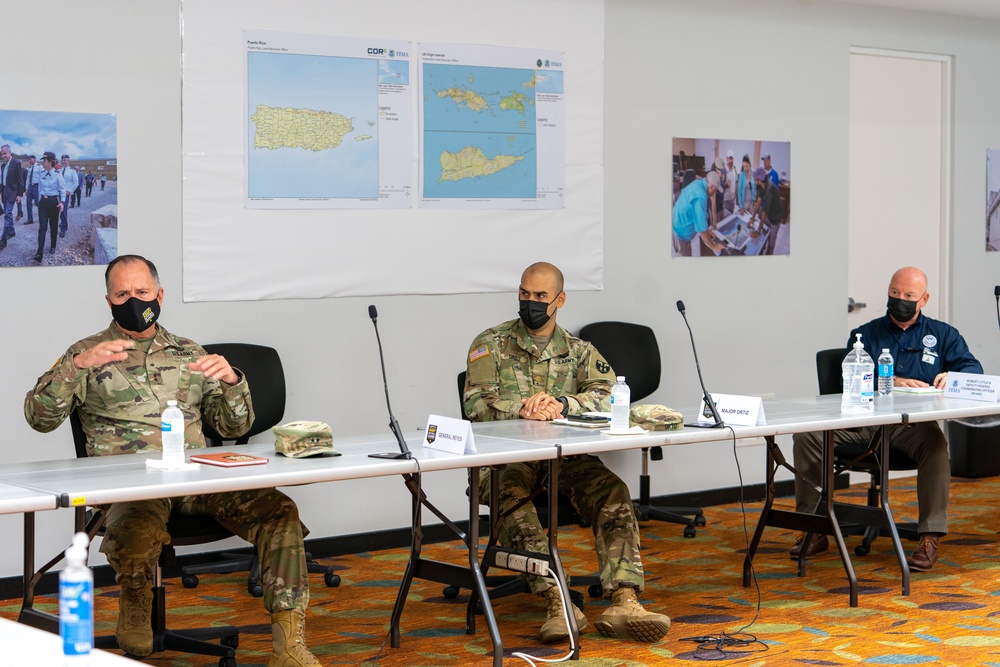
(897, 544)
(470, 577)
(823, 520)
(834, 526)
(416, 541)
(557, 568)
(765, 513)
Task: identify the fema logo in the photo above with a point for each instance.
(929, 340)
(392, 53)
(539, 62)
(546, 62)
(954, 383)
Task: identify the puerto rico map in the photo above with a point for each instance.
(328, 121)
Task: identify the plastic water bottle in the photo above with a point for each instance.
(886, 373)
(76, 603)
(172, 432)
(620, 396)
(859, 381)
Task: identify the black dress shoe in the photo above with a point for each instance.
(52, 251)
(29, 222)
(38, 257)
(62, 234)
(817, 544)
(3, 243)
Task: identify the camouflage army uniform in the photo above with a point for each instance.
(119, 406)
(506, 366)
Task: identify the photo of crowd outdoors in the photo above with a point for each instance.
(992, 200)
(730, 197)
(58, 188)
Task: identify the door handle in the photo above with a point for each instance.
(853, 305)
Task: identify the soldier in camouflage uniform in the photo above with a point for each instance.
(531, 368)
(119, 381)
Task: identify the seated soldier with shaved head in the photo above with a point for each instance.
(531, 368)
(924, 350)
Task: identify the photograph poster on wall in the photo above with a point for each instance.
(730, 197)
(81, 174)
(992, 200)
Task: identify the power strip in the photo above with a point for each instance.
(521, 562)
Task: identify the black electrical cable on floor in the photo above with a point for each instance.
(732, 645)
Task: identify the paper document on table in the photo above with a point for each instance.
(918, 390)
(602, 423)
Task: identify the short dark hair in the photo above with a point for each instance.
(127, 259)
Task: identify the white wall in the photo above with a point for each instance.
(759, 321)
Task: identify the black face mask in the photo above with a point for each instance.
(901, 309)
(534, 314)
(136, 315)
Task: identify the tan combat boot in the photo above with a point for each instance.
(554, 628)
(288, 630)
(626, 619)
(135, 628)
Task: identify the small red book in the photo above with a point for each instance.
(228, 459)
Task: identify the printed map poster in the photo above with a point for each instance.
(329, 122)
(493, 133)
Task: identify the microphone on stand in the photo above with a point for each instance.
(404, 451)
(996, 293)
(704, 392)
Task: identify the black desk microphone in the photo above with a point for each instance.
(704, 392)
(404, 451)
(996, 294)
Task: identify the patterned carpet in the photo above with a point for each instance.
(952, 616)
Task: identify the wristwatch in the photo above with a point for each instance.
(565, 404)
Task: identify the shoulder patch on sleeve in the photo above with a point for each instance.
(479, 353)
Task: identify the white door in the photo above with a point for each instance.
(898, 158)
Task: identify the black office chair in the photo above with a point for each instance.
(265, 376)
(184, 530)
(505, 584)
(632, 351)
(860, 457)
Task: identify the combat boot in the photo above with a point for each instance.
(288, 630)
(554, 628)
(626, 619)
(135, 627)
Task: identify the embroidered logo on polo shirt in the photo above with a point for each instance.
(930, 340)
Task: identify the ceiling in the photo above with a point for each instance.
(988, 9)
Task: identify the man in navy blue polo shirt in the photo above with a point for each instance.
(924, 350)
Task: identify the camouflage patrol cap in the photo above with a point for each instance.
(655, 417)
(303, 438)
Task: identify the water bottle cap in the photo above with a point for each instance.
(885, 350)
(171, 404)
(78, 549)
(621, 378)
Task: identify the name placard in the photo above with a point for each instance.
(973, 386)
(734, 410)
(448, 434)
